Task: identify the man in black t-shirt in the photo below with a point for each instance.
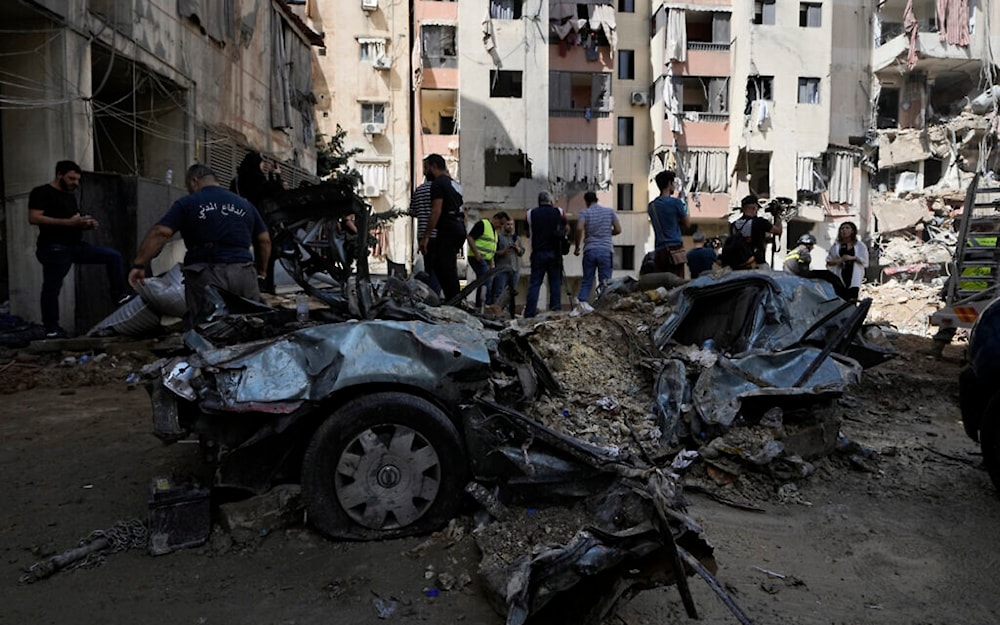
(53, 208)
(218, 228)
(545, 222)
(754, 229)
(447, 221)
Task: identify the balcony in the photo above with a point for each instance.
(707, 46)
(933, 55)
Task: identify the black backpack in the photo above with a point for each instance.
(737, 250)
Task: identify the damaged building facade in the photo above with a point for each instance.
(135, 92)
(935, 101)
(521, 96)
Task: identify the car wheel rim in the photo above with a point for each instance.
(387, 477)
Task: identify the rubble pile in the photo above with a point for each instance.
(904, 305)
(602, 362)
(905, 251)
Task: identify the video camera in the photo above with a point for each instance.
(779, 206)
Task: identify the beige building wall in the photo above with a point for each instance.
(363, 85)
(62, 57)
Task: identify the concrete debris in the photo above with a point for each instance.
(250, 520)
(905, 305)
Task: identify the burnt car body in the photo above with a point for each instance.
(979, 388)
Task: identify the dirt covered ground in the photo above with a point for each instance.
(897, 531)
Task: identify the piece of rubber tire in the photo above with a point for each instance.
(989, 439)
(389, 409)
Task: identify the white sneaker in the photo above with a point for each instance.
(585, 307)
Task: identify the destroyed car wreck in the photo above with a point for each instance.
(386, 422)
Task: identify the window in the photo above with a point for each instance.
(763, 12)
(704, 94)
(624, 258)
(505, 9)
(439, 46)
(758, 88)
(505, 170)
(626, 6)
(575, 93)
(626, 64)
(808, 90)
(626, 131)
(505, 84)
(810, 15)
(373, 112)
(372, 49)
(625, 197)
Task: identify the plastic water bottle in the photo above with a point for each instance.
(170, 176)
(302, 307)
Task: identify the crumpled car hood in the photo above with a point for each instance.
(309, 365)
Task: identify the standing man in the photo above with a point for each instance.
(668, 214)
(544, 223)
(700, 259)
(509, 251)
(447, 220)
(594, 228)
(53, 208)
(218, 228)
(420, 207)
(483, 240)
(754, 230)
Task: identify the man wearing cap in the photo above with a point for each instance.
(754, 229)
(700, 259)
(218, 228)
(544, 222)
(483, 239)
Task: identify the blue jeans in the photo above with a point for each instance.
(602, 261)
(56, 261)
(544, 263)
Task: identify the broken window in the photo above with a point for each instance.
(626, 131)
(754, 168)
(810, 14)
(625, 196)
(579, 93)
(763, 12)
(704, 94)
(808, 90)
(372, 49)
(888, 108)
(504, 168)
(758, 88)
(373, 112)
(707, 27)
(626, 64)
(438, 111)
(439, 47)
(505, 83)
(624, 258)
(505, 9)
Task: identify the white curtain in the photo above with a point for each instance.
(671, 101)
(841, 163)
(280, 100)
(375, 45)
(580, 163)
(704, 171)
(676, 36)
(805, 172)
(602, 16)
(374, 174)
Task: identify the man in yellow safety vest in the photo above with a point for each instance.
(482, 248)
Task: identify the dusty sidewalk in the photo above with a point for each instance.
(903, 539)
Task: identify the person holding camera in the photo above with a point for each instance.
(754, 229)
(668, 215)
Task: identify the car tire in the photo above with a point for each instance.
(384, 465)
(989, 439)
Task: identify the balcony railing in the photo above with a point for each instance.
(699, 116)
(706, 45)
(594, 113)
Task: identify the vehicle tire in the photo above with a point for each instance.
(384, 465)
(989, 439)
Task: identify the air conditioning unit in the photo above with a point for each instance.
(383, 62)
(639, 98)
(369, 5)
(372, 128)
(371, 190)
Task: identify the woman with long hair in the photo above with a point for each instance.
(848, 258)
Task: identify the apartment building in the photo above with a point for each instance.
(519, 96)
(135, 91)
